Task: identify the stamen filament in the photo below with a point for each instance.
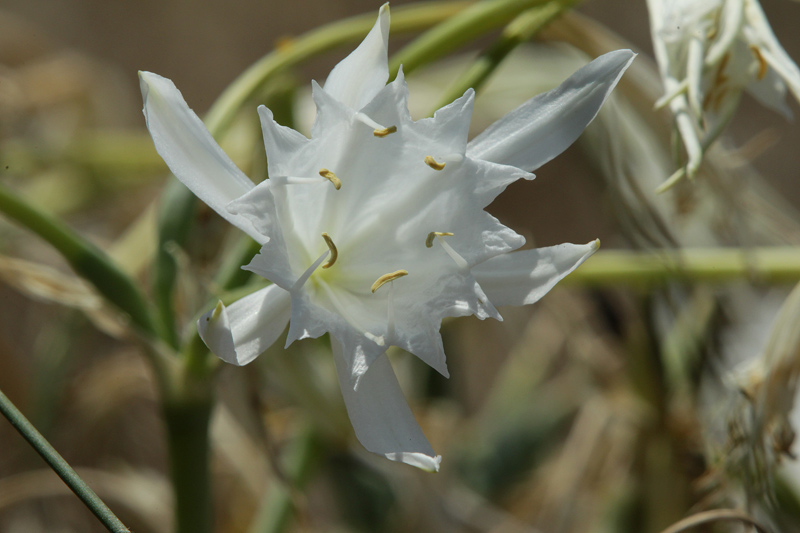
(378, 130)
(460, 262)
(330, 176)
(310, 270)
(390, 314)
(298, 180)
(762, 63)
(431, 162)
(433, 234)
(386, 278)
(333, 250)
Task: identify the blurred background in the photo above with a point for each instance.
(548, 422)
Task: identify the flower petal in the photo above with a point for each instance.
(189, 150)
(523, 277)
(239, 333)
(544, 126)
(358, 77)
(381, 418)
(281, 143)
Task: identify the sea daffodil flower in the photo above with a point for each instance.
(373, 230)
(708, 52)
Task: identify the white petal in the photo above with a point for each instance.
(731, 24)
(239, 333)
(523, 277)
(694, 75)
(771, 48)
(544, 126)
(381, 418)
(358, 77)
(189, 150)
(281, 143)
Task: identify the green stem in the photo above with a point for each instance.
(188, 441)
(458, 30)
(60, 466)
(522, 29)
(779, 264)
(85, 258)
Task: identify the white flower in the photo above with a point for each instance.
(708, 52)
(374, 230)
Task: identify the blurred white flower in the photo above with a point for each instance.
(373, 230)
(708, 52)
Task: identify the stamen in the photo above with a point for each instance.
(310, 270)
(386, 278)
(384, 131)
(390, 314)
(431, 162)
(433, 234)
(297, 180)
(460, 262)
(330, 176)
(378, 130)
(333, 250)
(762, 63)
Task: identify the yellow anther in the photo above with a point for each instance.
(431, 162)
(328, 175)
(385, 131)
(334, 252)
(432, 235)
(762, 63)
(386, 278)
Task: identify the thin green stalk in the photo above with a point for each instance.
(85, 258)
(457, 30)
(175, 216)
(522, 29)
(60, 466)
(299, 463)
(779, 264)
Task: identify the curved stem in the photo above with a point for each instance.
(458, 30)
(523, 28)
(410, 18)
(60, 466)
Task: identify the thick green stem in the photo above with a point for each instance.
(187, 424)
(779, 264)
(60, 466)
(86, 259)
(187, 405)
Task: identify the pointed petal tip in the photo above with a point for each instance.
(418, 460)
